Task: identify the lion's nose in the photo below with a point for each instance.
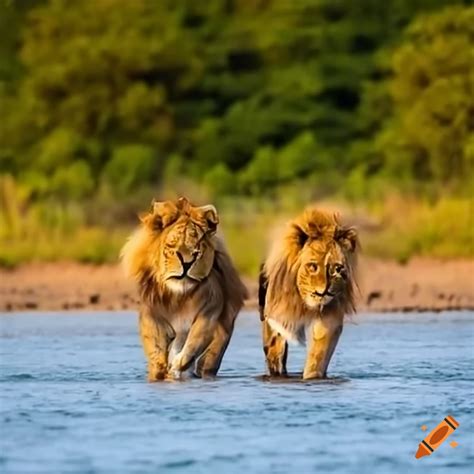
(186, 265)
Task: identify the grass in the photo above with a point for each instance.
(87, 245)
(410, 228)
(50, 231)
(407, 227)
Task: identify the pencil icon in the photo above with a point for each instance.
(437, 437)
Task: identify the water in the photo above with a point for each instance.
(75, 400)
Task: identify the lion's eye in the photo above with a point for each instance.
(313, 266)
(338, 268)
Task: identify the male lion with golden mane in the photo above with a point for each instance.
(306, 287)
(190, 292)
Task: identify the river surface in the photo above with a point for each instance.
(74, 400)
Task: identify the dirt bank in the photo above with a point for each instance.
(421, 285)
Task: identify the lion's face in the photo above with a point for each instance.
(322, 275)
(325, 266)
(184, 252)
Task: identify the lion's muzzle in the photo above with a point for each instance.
(186, 264)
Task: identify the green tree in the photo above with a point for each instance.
(213, 82)
(262, 173)
(429, 134)
(220, 180)
(130, 166)
(102, 71)
(73, 182)
(298, 158)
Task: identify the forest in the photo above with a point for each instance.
(260, 106)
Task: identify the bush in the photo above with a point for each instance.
(72, 182)
(261, 173)
(298, 158)
(129, 167)
(220, 180)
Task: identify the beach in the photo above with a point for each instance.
(423, 284)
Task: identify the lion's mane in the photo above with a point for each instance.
(281, 267)
(139, 262)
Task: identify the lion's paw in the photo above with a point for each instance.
(156, 373)
(175, 371)
(174, 375)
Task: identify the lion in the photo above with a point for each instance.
(189, 290)
(306, 287)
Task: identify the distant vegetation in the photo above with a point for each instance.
(258, 105)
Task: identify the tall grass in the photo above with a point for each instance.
(405, 227)
(50, 231)
(410, 227)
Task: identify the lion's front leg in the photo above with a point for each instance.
(275, 348)
(156, 335)
(321, 344)
(199, 337)
(210, 361)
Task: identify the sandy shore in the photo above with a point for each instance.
(420, 285)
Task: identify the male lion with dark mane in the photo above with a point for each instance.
(190, 292)
(306, 287)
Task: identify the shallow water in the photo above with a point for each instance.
(75, 400)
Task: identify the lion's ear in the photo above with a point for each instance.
(183, 204)
(301, 236)
(347, 237)
(209, 213)
(162, 214)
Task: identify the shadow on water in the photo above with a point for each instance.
(296, 378)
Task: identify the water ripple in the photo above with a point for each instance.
(74, 395)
